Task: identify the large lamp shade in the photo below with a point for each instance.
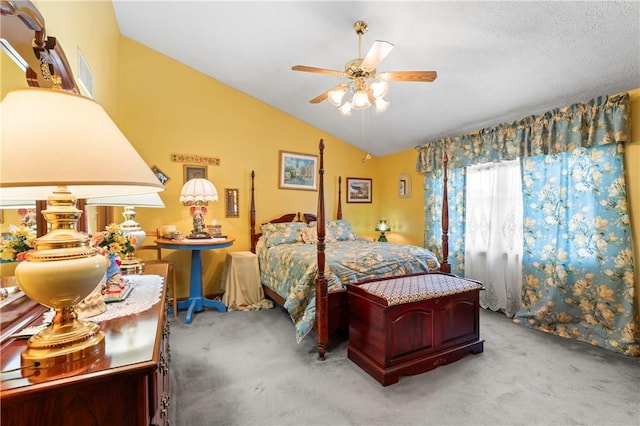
(45, 146)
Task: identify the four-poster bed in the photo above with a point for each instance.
(329, 296)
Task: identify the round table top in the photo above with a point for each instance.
(190, 244)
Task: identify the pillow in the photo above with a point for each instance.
(328, 235)
(341, 230)
(309, 235)
(282, 233)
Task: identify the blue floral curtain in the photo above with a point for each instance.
(577, 265)
(600, 121)
(578, 277)
(433, 190)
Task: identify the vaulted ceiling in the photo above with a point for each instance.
(496, 61)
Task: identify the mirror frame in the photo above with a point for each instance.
(23, 29)
(231, 204)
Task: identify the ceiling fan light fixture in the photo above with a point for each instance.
(379, 88)
(335, 96)
(366, 87)
(345, 109)
(360, 100)
(381, 105)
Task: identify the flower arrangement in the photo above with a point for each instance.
(113, 240)
(15, 247)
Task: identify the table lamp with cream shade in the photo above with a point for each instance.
(56, 145)
(130, 264)
(196, 193)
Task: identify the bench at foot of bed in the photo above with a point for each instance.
(412, 324)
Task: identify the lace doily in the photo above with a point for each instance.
(147, 290)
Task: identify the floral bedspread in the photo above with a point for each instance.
(290, 270)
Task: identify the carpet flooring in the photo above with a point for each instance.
(244, 368)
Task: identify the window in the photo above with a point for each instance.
(493, 237)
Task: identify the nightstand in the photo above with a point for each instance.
(241, 282)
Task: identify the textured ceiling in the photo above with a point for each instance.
(496, 61)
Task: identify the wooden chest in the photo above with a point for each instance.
(411, 324)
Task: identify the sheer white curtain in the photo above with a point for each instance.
(493, 240)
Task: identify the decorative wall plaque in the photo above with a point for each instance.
(195, 159)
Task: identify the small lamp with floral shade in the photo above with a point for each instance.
(196, 193)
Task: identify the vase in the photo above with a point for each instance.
(114, 266)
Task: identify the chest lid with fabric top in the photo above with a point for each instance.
(414, 288)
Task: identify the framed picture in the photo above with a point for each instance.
(358, 190)
(193, 172)
(160, 175)
(298, 171)
(404, 186)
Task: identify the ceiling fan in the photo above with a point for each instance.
(366, 87)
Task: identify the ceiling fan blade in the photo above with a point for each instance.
(319, 98)
(324, 95)
(419, 76)
(376, 54)
(317, 70)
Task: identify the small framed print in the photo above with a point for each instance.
(404, 186)
(194, 172)
(163, 178)
(298, 171)
(358, 190)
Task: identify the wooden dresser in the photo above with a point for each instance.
(128, 386)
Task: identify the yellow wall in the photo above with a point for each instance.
(168, 108)
(405, 216)
(11, 76)
(632, 160)
(91, 27)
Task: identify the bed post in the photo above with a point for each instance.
(322, 301)
(444, 266)
(339, 214)
(252, 214)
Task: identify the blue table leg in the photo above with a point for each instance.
(189, 305)
(192, 306)
(197, 302)
(215, 304)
